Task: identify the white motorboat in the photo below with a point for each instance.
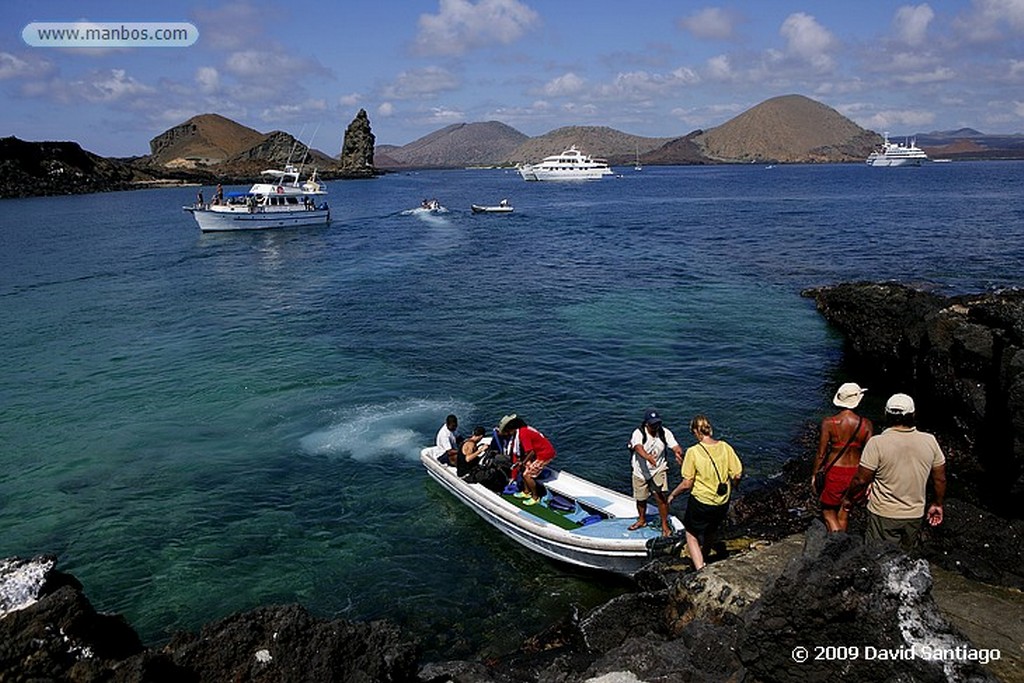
(571, 164)
(897, 154)
(593, 533)
(427, 206)
(280, 203)
(502, 207)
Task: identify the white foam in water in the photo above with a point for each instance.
(377, 432)
(20, 583)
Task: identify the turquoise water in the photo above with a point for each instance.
(199, 424)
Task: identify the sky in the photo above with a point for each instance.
(656, 68)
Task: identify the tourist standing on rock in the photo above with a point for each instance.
(897, 464)
(711, 468)
(842, 440)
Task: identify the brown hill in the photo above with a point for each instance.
(598, 141)
(456, 146)
(206, 139)
(791, 128)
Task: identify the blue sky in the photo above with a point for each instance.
(653, 68)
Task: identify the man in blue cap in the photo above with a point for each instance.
(650, 468)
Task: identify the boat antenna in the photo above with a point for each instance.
(308, 146)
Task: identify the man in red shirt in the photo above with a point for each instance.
(535, 452)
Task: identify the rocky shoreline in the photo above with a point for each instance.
(785, 584)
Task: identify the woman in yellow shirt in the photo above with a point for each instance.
(710, 470)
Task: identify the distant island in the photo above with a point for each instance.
(209, 149)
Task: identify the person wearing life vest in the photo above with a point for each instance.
(650, 468)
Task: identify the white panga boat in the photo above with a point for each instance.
(594, 533)
(897, 154)
(427, 206)
(502, 207)
(571, 164)
(280, 203)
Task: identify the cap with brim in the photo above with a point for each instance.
(652, 417)
(504, 421)
(899, 404)
(849, 395)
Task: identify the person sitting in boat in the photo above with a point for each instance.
(503, 203)
(425, 204)
(647, 448)
(470, 452)
(447, 441)
(533, 452)
(199, 199)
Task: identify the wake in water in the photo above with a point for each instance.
(378, 432)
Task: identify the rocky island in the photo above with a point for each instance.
(783, 602)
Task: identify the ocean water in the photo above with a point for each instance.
(200, 424)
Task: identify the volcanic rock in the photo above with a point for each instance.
(357, 148)
(961, 358)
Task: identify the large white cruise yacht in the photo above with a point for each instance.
(571, 164)
(897, 154)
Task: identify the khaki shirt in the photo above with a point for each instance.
(902, 460)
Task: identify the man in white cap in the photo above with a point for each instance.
(897, 464)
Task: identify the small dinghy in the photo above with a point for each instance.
(502, 207)
(577, 521)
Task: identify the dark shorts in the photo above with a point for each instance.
(703, 520)
(904, 532)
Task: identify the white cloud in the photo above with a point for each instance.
(279, 115)
(208, 79)
(386, 109)
(939, 74)
(1018, 108)
(442, 116)
(108, 86)
(643, 84)
(986, 18)
(889, 120)
(808, 40)
(461, 25)
(566, 85)
(350, 100)
(231, 26)
(13, 66)
(710, 23)
(425, 82)
(719, 68)
(911, 23)
(269, 65)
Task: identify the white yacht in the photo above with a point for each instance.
(571, 164)
(897, 154)
(281, 202)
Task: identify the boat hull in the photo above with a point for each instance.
(533, 174)
(228, 221)
(607, 545)
(490, 209)
(890, 162)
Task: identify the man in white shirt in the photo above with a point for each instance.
(447, 442)
(650, 468)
